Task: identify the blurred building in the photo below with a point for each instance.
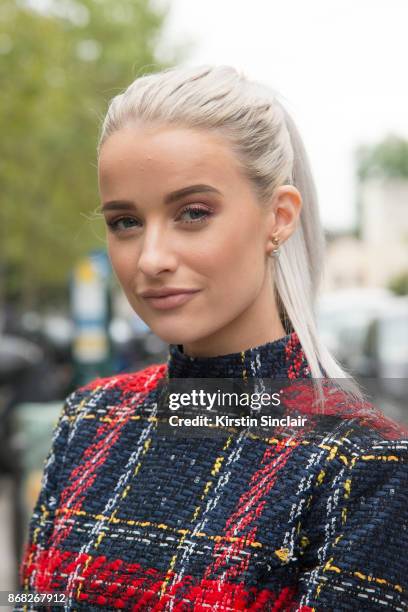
(378, 250)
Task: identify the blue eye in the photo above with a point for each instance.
(198, 214)
(113, 225)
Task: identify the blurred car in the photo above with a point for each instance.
(343, 318)
(367, 331)
(385, 350)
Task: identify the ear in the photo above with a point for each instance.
(283, 217)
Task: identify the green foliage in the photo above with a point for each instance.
(58, 71)
(399, 284)
(388, 159)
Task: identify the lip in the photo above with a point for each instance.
(171, 300)
(165, 291)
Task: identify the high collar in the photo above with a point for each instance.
(282, 358)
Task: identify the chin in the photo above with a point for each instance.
(179, 333)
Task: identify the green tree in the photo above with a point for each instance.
(387, 159)
(58, 69)
(399, 284)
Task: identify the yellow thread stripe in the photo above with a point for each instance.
(329, 567)
(333, 568)
(283, 554)
(87, 562)
(321, 477)
(244, 372)
(217, 466)
(153, 419)
(115, 520)
(382, 581)
(380, 458)
(333, 453)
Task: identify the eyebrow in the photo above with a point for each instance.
(169, 199)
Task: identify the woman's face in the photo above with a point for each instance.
(181, 214)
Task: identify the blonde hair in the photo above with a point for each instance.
(267, 142)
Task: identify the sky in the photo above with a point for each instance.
(339, 65)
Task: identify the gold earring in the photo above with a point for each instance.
(275, 252)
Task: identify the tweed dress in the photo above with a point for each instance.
(131, 519)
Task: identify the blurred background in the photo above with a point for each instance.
(63, 320)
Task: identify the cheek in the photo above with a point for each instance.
(123, 261)
(240, 247)
(211, 256)
(231, 258)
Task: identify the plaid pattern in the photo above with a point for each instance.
(127, 519)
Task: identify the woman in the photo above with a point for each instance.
(214, 235)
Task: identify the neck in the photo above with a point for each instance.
(258, 324)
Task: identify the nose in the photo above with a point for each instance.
(156, 254)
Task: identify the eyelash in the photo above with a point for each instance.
(113, 225)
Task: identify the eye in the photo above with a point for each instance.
(197, 214)
(190, 214)
(114, 225)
